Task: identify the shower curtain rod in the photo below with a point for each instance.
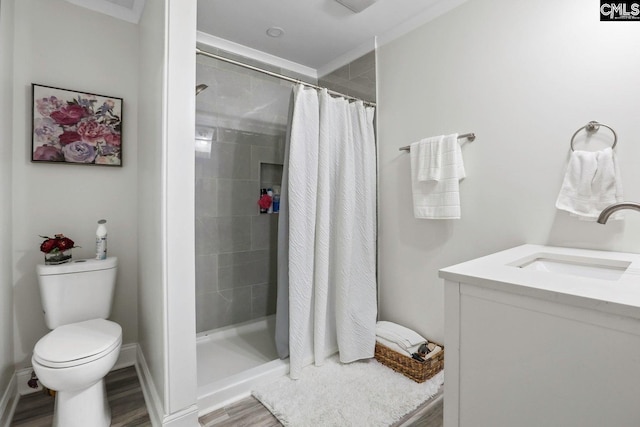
(280, 76)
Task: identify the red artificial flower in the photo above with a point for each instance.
(64, 243)
(58, 243)
(48, 245)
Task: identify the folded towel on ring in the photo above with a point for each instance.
(592, 182)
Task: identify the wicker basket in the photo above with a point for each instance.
(411, 368)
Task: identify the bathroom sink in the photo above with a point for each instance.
(594, 268)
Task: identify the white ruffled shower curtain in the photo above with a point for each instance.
(327, 232)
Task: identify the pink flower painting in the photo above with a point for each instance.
(76, 127)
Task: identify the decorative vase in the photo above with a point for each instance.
(58, 257)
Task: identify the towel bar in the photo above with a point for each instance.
(470, 136)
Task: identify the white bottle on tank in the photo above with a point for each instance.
(101, 240)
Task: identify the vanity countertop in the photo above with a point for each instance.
(501, 271)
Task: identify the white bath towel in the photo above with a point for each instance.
(592, 182)
(393, 346)
(436, 171)
(402, 336)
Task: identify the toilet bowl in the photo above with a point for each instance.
(73, 359)
(82, 346)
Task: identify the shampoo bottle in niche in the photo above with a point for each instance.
(270, 194)
(276, 199)
(101, 240)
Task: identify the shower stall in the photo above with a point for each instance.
(241, 124)
(242, 117)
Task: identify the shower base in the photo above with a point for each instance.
(234, 359)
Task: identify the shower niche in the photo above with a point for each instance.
(271, 178)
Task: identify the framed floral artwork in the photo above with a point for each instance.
(76, 127)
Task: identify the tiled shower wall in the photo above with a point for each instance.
(244, 115)
(357, 78)
(236, 246)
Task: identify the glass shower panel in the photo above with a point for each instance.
(241, 121)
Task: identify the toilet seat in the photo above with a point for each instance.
(78, 343)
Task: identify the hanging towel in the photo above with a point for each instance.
(592, 182)
(436, 171)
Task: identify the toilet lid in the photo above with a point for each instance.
(77, 343)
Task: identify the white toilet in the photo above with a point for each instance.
(83, 346)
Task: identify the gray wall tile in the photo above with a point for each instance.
(270, 175)
(205, 235)
(264, 231)
(237, 197)
(259, 155)
(263, 300)
(237, 305)
(233, 234)
(358, 78)
(226, 234)
(206, 274)
(206, 197)
(248, 138)
(227, 161)
(243, 274)
(218, 309)
(237, 258)
(362, 65)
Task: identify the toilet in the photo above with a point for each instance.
(82, 346)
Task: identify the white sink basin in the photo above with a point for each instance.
(594, 268)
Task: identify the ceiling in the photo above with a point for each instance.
(319, 34)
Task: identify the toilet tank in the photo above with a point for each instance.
(77, 291)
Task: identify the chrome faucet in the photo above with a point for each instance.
(606, 212)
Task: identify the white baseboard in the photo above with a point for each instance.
(187, 417)
(128, 356)
(9, 402)
(151, 398)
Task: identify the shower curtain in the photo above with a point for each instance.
(327, 232)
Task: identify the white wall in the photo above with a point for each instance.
(151, 301)
(523, 76)
(6, 109)
(63, 45)
(179, 210)
(166, 207)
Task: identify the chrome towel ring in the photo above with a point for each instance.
(592, 127)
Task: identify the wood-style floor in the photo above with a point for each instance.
(128, 409)
(123, 393)
(249, 412)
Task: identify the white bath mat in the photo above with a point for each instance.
(359, 394)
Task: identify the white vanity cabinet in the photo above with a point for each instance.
(533, 344)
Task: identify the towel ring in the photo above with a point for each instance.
(592, 127)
